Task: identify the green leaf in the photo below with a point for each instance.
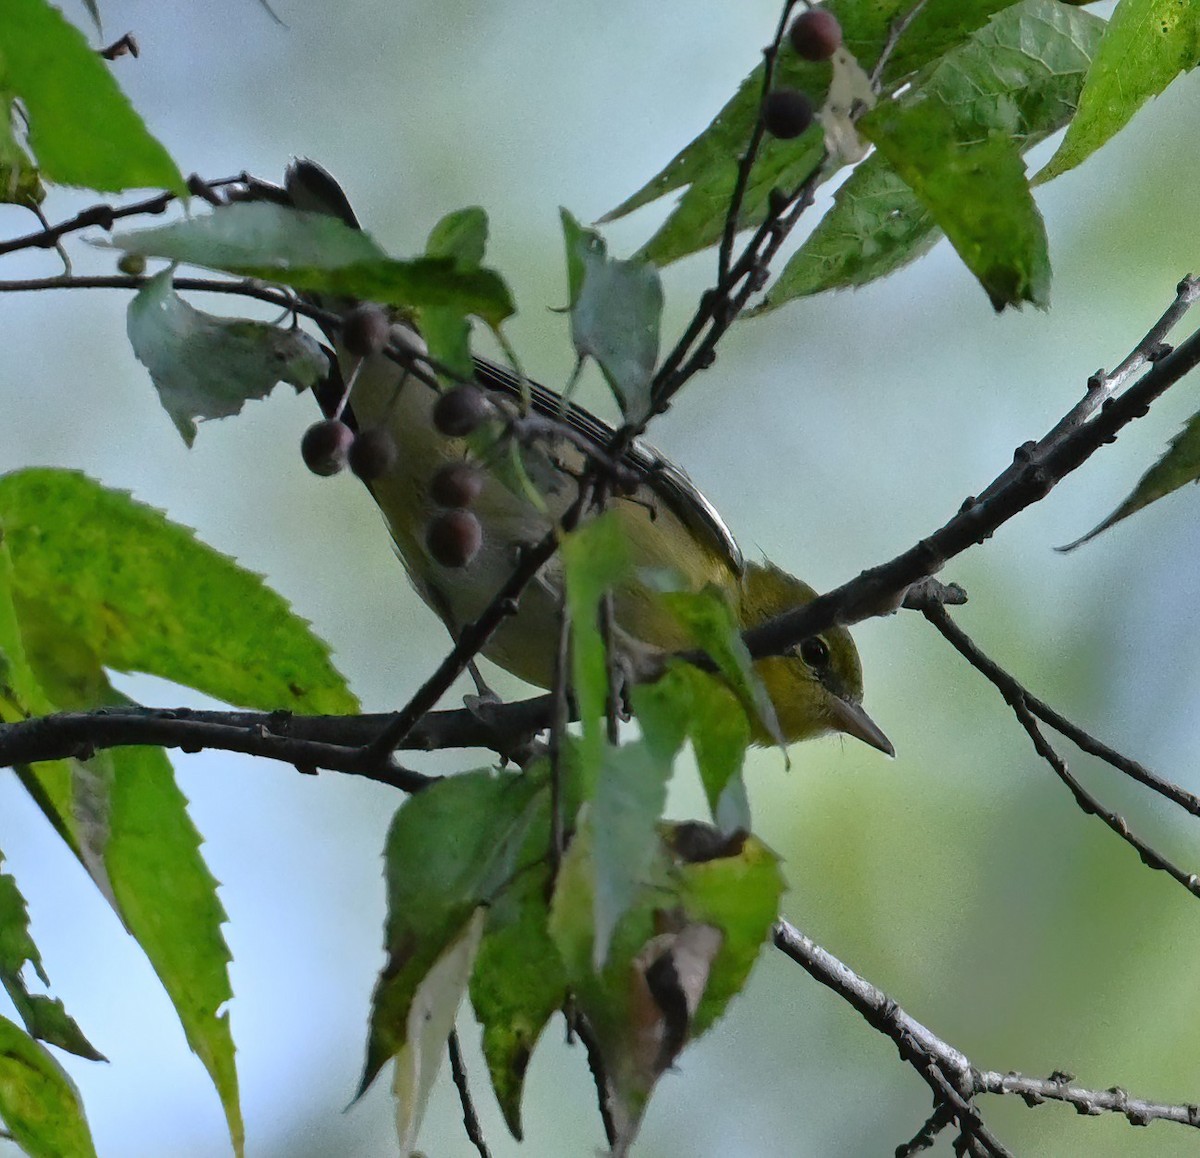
(44, 1017)
(205, 366)
(518, 984)
(1022, 74)
(689, 703)
(82, 128)
(519, 980)
(876, 225)
(142, 594)
(708, 166)
(101, 581)
(168, 898)
(713, 626)
(430, 1020)
(20, 183)
(1181, 464)
(677, 957)
(38, 1101)
(22, 696)
(319, 254)
(975, 188)
(616, 311)
(630, 796)
(450, 849)
(740, 895)
(1146, 45)
(128, 823)
(595, 558)
(460, 237)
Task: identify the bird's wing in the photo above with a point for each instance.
(669, 483)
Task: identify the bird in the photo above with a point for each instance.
(816, 686)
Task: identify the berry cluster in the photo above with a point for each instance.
(455, 534)
(814, 35)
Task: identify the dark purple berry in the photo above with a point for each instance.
(461, 411)
(816, 34)
(325, 446)
(454, 538)
(786, 113)
(372, 454)
(365, 330)
(457, 484)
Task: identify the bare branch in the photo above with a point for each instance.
(949, 1072)
(1014, 696)
(946, 1070)
(1014, 691)
(747, 159)
(881, 589)
(1114, 1100)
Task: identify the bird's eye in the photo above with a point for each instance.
(815, 652)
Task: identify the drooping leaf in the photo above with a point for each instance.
(616, 309)
(430, 1020)
(595, 558)
(82, 128)
(205, 366)
(20, 183)
(1180, 465)
(1022, 73)
(519, 980)
(319, 254)
(141, 593)
(689, 703)
(974, 186)
(168, 898)
(518, 983)
(101, 581)
(130, 826)
(713, 626)
(44, 1017)
(677, 957)
(739, 894)
(450, 849)
(708, 166)
(460, 237)
(38, 1101)
(1146, 45)
(630, 795)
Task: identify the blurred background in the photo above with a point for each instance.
(959, 877)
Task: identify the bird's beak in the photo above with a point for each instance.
(852, 719)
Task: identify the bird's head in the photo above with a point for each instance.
(817, 686)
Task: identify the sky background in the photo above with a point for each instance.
(832, 435)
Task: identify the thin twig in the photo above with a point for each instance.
(929, 1054)
(925, 1137)
(1014, 696)
(103, 216)
(747, 159)
(1013, 690)
(895, 32)
(458, 1071)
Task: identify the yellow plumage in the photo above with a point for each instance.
(667, 523)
